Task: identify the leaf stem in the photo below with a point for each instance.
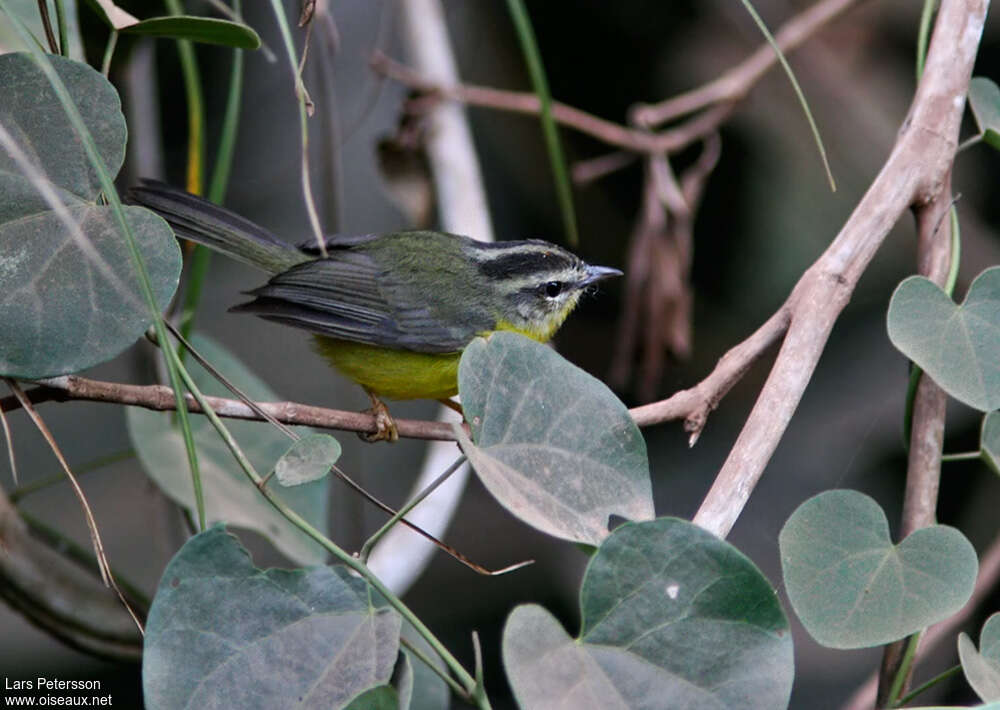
(965, 456)
(61, 26)
(529, 46)
(202, 257)
(426, 660)
(795, 86)
(109, 52)
(944, 675)
(300, 93)
(969, 142)
(366, 549)
(924, 34)
(904, 669)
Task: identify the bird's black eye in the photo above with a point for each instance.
(553, 288)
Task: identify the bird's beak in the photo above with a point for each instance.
(598, 273)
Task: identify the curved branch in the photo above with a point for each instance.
(915, 174)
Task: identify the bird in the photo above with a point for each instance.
(392, 311)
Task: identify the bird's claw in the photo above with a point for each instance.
(385, 426)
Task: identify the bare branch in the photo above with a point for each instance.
(160, 398)
(923, 471)
(916, 173)
(615, 134)
(737, 82)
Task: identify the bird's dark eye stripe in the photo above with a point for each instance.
(526, 263)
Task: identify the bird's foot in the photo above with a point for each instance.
(385, 426)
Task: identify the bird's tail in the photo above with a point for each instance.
(217, 228)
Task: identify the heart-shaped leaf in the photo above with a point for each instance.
(229, 496)
(982, 667)
(224, 634)
(308, 459)
(955, 345)
(71, 296)
(984, 100)
(552, 443)
(672, 617)
(852, 588)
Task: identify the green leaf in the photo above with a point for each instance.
(209, 30)
(552, 444)
(984, 100)
(71, 295)
(383, 697)
(224, 634)
(229, 496)
(955, 345)
(852, 588)
(989, 441)
(308, 459)
(669, 611)
(982, 667)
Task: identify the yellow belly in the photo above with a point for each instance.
(393, 374)
(404, 374)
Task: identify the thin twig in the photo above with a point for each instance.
(631, 139)
(50, 37)
(160, 398)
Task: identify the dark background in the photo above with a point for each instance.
(767, 214)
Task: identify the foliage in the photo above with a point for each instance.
(667, 609)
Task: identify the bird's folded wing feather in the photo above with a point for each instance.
(346, 296)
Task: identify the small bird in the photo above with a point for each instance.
(394, 311)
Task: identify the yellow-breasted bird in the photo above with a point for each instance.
(394, 311)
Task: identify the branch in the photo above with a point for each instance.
(916, 174)
(736, 83)
(631, 139)
(160, 398)
(923, 472)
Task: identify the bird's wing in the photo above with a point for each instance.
(347, 296)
